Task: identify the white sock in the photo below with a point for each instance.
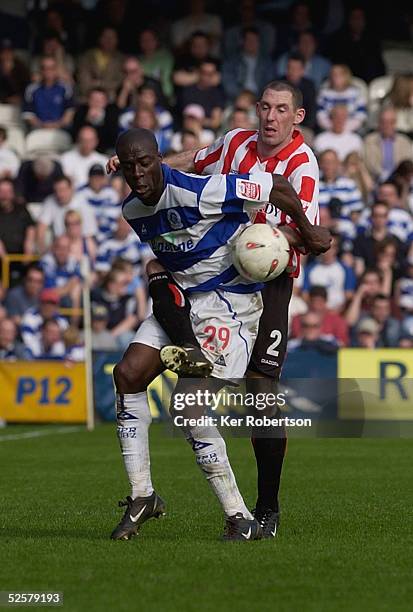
(211, 456)
(134, 417)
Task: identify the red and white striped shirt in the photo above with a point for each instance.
(237, 152)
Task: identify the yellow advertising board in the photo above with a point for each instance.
(43, 391)
(375, 384)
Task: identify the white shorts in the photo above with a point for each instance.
(225, 324)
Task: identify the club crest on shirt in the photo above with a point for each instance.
(174, 219)
(247, 190)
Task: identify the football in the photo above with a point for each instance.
(260, 252)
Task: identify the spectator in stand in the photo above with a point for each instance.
(104, 200)
(299, 20)
(148, 98)
(367, 334)
(400, 97)
(52, 46)
(27, 295)
(338, 138)
(370, 285)
(122, 321)
(101, 116)
(207, 94)
(193, 118)
(36, 178)
(312, 337)
(10, 348)
(79, 246)
(248, 19)
(336, 190)
(388, 328)
(74, 345)
(358, 47)
(196, 20)
(188, 141)
(51, 344)
(316, 67)
(400, 222)
(136, 286)
(14, 76)
(385, 148)
(387, 262)
(55, 207)
(247, 68)
(295, 76)
(404, 298)
(403, 176)
(186, 67)
(102, 66)
(355, 168)
(34, 318)
(340, 91)
(77, 162)
(332, 324)
(49, 102)
(17, 228)
(9, 162)
(157, 62)
(127, 94)
(329, 272)
(62, 272)
(102, 339)
(145, 117)
(240, 119)
(245, 101)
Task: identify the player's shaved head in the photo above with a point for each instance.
(137, 138)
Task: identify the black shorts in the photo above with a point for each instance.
(271, 345)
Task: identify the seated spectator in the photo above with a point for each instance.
(14, 76)
(340, 91)
(17, 228)
(156, 61)
(102, 66)
(248, 19)
(400, 98)
(51, 345)
(137, 282)
(295, 76)
(55, 207)
(102, 339)
(193, 118)
(207, 94)
(341, 141)
(316, 67)
(186, 67)
(329, 272)
(9, 162)
(406, 341)
(49, 102)
(403, 177)
(367, 334)
(247, 68)
(62, 272)
(245, 101)
(311, 337)
(122, 321)
(299, 19)
(145, 118)
(34, 318)
(36, 178)
(189, 141)
(104, 200)
(74, 345)
(387, 253)
(400, 220)
(370, 284)
(384, 149)
(10, 348)
(127, 94)
(240, 120)
(337, 191)
(196, 19)
(79, 246)
(77, 162)
(101, 116)
(26, 295)
(388, 328)
(355, 168)
(52, 46)
(332, 324)
(403, 294)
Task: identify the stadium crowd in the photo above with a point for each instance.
(74, 75)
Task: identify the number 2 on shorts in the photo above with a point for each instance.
(271, 349)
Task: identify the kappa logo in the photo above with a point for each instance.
(247, 190)
(221, 361)
(124, 415)
(174, 219)
(197, 445)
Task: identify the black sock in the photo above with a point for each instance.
(269, 445)
(171, 309)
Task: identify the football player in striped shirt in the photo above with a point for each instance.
(190, 223)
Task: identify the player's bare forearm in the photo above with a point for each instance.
(182, 161)
(294, 240)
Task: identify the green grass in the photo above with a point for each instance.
(345, 543)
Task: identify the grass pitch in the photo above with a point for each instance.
(345, 542)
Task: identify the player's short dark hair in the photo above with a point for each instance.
(296, 94)
(318, 291)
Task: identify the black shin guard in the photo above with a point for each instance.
(171, 309)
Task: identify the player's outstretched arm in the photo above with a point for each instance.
(316, 239)
(182, 161)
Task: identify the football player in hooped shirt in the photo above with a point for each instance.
(190, 223)
(277, 146)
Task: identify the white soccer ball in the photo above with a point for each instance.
(260, 252)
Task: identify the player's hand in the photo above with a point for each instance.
(318, 240)
(113, 164)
